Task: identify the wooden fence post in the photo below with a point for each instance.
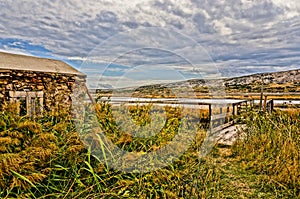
(265, 103)
(272, 105)
(210, 121)
(261, 97)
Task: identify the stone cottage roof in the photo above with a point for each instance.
(22, 62)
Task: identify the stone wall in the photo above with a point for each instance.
(57, 87)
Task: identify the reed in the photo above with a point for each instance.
(45, 158)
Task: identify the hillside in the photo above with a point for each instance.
(275, 77)
(284, 81)
(276, 82)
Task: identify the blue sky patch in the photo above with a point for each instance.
(19, 45)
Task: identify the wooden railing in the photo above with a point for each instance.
(223, 120)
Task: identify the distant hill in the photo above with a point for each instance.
(276, 82)
(267, 78)
(284, 81)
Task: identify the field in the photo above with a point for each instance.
(45, 157)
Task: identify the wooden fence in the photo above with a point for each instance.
(228, 118)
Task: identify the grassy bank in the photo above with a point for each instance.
(45, 158)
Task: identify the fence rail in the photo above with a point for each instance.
(228, 110)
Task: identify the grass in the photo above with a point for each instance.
(45, 158)
(272, 148)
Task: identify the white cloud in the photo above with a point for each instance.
(233, 32)
(77, 58)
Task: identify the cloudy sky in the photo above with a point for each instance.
(164, 39)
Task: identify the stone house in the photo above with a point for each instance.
(37, 83)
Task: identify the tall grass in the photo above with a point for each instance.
(30, 147)
(45, 158)
(271, 147)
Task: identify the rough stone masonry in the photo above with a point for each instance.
(24, 74)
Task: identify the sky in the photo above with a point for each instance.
(142, 41)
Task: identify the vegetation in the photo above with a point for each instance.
(45, 158)
(272, 147)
